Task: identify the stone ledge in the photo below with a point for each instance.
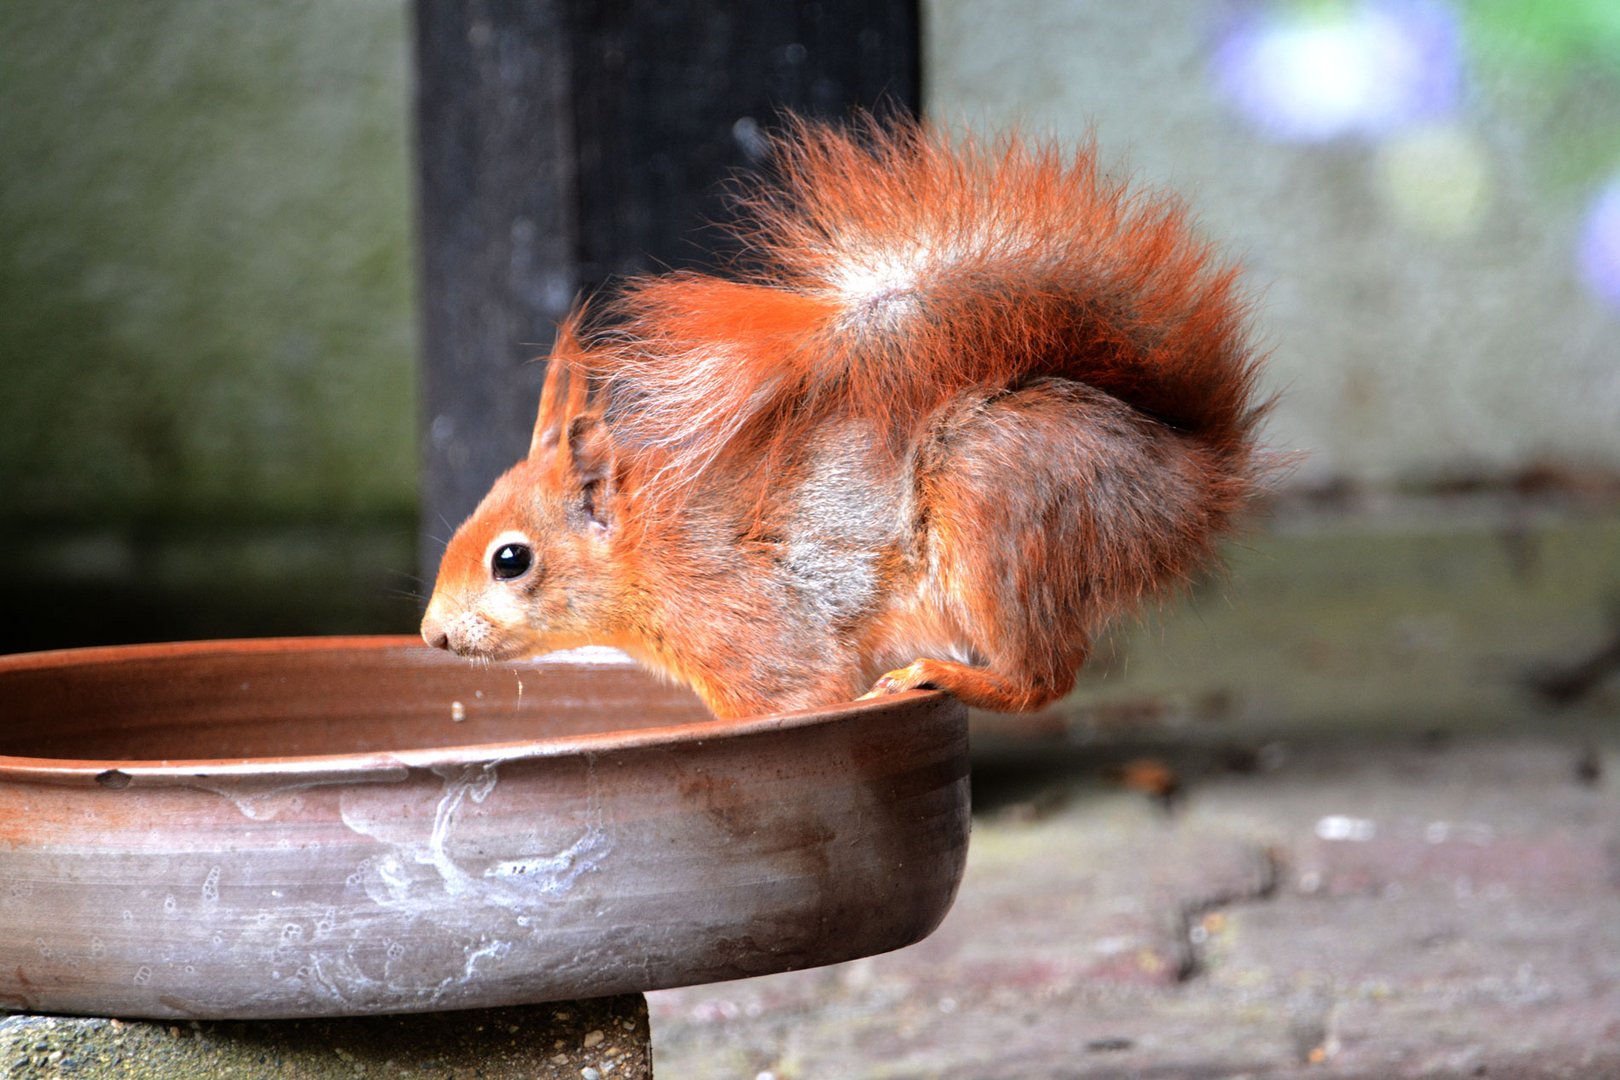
(599, 1039)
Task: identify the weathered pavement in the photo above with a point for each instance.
(1385, 856)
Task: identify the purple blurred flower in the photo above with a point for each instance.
(1600, 244)
(1366, 68)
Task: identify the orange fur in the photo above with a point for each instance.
(972, 402)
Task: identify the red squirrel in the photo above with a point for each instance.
(968, 402)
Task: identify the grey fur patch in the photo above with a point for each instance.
(844, 518)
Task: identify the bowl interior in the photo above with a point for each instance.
(300, 697)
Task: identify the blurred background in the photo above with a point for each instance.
(223, 238)
(213, 419)
(208, 329)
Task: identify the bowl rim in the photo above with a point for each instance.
(372, 765)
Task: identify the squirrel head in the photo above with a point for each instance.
(528, 571)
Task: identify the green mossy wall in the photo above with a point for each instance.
(207, 327)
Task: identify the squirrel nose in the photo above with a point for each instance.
(434, 634)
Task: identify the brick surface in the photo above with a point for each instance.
(1383, 909)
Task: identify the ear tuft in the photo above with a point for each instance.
(566, 390)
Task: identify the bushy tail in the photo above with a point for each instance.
(897, 269)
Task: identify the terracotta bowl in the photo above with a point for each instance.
(343, 826)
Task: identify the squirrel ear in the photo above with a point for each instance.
(566, 390)
(548, 421)
(590, 462)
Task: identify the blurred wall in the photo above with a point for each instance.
(1417, 190)
(206, 309)
(207, 326)
(205, 289)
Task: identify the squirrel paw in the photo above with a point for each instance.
(913, 676)
(977, 687)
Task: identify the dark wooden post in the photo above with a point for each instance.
(564, 143)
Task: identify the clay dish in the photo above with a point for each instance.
(361, 825)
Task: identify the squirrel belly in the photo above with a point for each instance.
(973, 403)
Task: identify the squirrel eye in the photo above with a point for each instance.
(511, 561)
